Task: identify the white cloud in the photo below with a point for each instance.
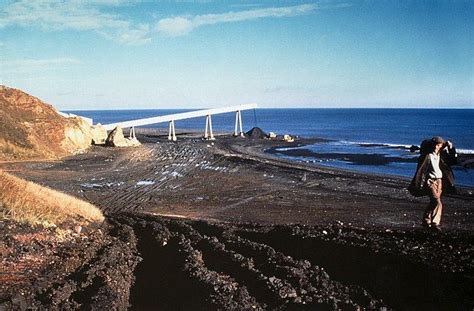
(181, 25)
(175, 26)
(95, 15)
(137, 36)
(79, 15)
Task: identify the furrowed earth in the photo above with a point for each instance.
(201, 225)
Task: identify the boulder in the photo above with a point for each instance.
(99, 134)
(116, 139)
(81, 134)
(288, 138)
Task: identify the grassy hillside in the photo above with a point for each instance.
(28, 202)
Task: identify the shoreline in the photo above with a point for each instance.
(261, 148)
(302, 155)
(466, 160)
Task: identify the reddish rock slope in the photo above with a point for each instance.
(30, 128)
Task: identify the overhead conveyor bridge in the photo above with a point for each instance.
(171, 118)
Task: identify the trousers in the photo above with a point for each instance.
(432, 215)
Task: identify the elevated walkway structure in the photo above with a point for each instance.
(171, 118)
(71, 115)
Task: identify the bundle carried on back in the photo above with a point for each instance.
(419, 184)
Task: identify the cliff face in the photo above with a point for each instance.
(30, 128)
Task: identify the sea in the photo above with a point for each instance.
(345, 135)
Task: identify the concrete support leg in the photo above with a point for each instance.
(169, 131)
(211, 134)
(172, 131)
(236, 122)
(208, 134)
(240, 124)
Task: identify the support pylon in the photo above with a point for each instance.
(208, 134)
(172, 131)
(238, 124)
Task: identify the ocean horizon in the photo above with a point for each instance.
(348, 133)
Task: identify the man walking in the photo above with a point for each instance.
(433, 177)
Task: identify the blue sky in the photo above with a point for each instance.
(109, 54)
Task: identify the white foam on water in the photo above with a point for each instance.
(283, 149)
(398, 146)
(377, 144)
(465, 151)
(345, 142)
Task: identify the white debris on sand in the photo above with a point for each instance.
(101, 185)
(90, 186)
(145, 183)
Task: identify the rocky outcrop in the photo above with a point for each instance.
(85, 134)
(116, 139)
(256, 133)
(30, 128)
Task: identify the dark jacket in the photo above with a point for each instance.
(419, 184)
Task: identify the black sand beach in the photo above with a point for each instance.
(233, 227)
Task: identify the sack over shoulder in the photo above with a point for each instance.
(418, 190)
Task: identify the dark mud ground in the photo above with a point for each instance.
(199, 226)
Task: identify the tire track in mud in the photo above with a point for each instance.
(198, 265)
(218, 266)
(172, 164)
(176, 169)
(203, 266)
(94, 276)
(401, 282)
